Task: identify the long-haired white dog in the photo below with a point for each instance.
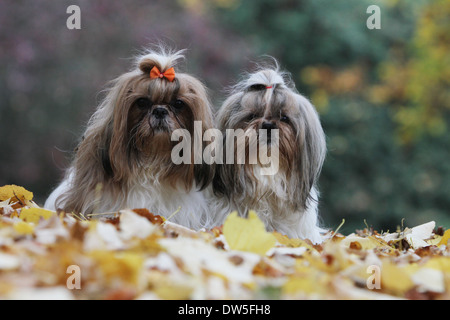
(286, 201)
(124, 159)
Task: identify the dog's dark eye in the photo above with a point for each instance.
(251, 117)
(179, 104)
(257, 87)
(143, 103)
(284, 118)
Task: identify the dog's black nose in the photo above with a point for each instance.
(268, 125)
(160, 112)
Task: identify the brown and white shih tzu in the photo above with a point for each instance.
(124, 159)
(286, 200)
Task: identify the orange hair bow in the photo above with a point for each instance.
(169, 74)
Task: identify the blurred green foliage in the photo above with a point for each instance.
(383, 95)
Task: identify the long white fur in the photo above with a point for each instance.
(190, 209)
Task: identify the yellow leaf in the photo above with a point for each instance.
(307, 280)
(300, 284)
(35, 214)
(445, 238)
(439, 263)
(168, 288)
(367, 243)
(126, 266)
(291, 242)
(395, 278)
(23, 228)
(247, 234)
(434, 240)
(15, 193)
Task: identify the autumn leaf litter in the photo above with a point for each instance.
(135, 254)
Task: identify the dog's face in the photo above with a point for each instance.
(157, 108)
(264, 101)
(276, 110)
(143, 113)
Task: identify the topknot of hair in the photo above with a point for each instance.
(162, 58)
(265, 75)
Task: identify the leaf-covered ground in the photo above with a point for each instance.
(138, 255)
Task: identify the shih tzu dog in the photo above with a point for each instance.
(286, 200)
(124, 159)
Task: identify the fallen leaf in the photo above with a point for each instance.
(439, 263)
(35, 214)
(292, 242)
(429, 280)
(363, 243)
(416, 236)
(23, 228)
(445, 238)
(15, 193)
(247, 234)
(395, 279)
(8, 262)
(155, 219)
(6, 207)
(135, 225)
(125, 266)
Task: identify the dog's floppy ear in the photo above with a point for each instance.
(114, 137)
(105, 153)
(202, 112)
(91, 168)
(225, 182)
(204, 172)
(312, 144)
(115, 150)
